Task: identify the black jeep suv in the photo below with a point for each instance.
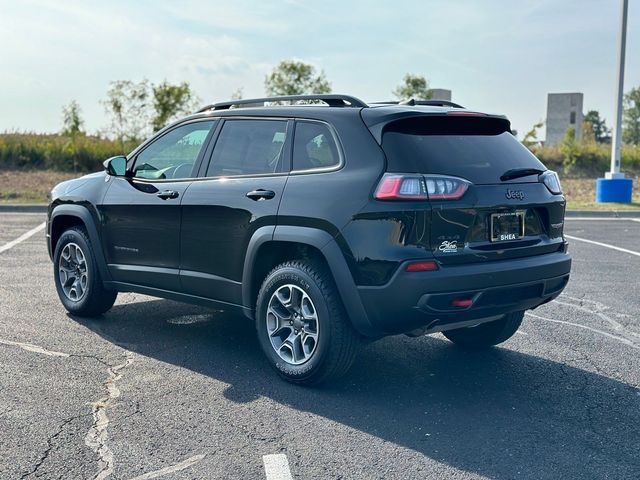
(325, 224)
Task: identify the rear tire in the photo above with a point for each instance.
(302, 326)
(77, 277)
(487, 334)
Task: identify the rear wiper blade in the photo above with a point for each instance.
(519, 172)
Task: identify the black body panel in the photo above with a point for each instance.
(205, 245)
(141, 229)
(424, 298)
(218, 221)
(467, 222)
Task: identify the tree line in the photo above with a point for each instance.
(594, 127)
(591, 153)
(136, 109)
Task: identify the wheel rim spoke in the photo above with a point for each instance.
(72, 272)
(276, 322)
(292, 324)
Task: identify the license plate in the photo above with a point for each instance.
(507, 226)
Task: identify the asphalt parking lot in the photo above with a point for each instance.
(157, 389)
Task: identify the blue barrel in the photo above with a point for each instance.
(614, 190)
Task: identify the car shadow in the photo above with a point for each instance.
(496, 413)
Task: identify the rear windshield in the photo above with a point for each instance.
(479, 149)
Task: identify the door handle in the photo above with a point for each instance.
(261, 194)
(168, 194)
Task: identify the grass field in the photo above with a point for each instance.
(29, 186)
(34, 186)
(581, 194)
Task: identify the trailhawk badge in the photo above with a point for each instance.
(448, 247)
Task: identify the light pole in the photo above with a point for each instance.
(615, 187)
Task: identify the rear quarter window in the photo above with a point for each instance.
(479, 149)
(314, 146)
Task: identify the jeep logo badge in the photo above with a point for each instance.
(514, 194)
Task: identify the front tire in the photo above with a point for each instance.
(487, 334)
(77, 277)
(302, 326)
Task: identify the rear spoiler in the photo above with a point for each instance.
(378, 124)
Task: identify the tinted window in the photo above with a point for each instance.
(249, 147)
(173, 155)
(313, 147)
(478, 149)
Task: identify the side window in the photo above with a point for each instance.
(249, 147)
(313, 147)
(173, 155)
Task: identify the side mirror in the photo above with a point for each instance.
(116, 166)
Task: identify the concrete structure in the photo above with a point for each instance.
(440, 94)
(564, 110)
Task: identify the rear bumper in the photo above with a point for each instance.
(413, 300)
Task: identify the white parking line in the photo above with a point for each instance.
(173, 468)
(22, 238)
(606, 245)
(277, 467)
(602, 219)
(29, 347)
(22, 214)
(591, 329)
(596, 309)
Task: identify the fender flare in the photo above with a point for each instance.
(333, 256)
(89, 222)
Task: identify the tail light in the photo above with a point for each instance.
(401, 187)
(395, 186)
(551, 181)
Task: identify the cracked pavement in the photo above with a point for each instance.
(159, 389)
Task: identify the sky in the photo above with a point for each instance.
(498, 56)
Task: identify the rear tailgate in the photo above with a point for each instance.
(493, 219)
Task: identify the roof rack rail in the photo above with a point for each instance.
(331, 99)
(412, 102)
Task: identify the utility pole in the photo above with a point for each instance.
(617, 127)
(615, 187)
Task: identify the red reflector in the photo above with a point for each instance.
(421, 267)
(462, 302)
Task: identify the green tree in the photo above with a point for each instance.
(237, 94)
(631, 117)
(531, 137)
(72, 128)
(128, 106)
(570, 149)
(413, 86)
(171, 102)
(596, 127)
(588, 133)
(71, 120)
(291, 77)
